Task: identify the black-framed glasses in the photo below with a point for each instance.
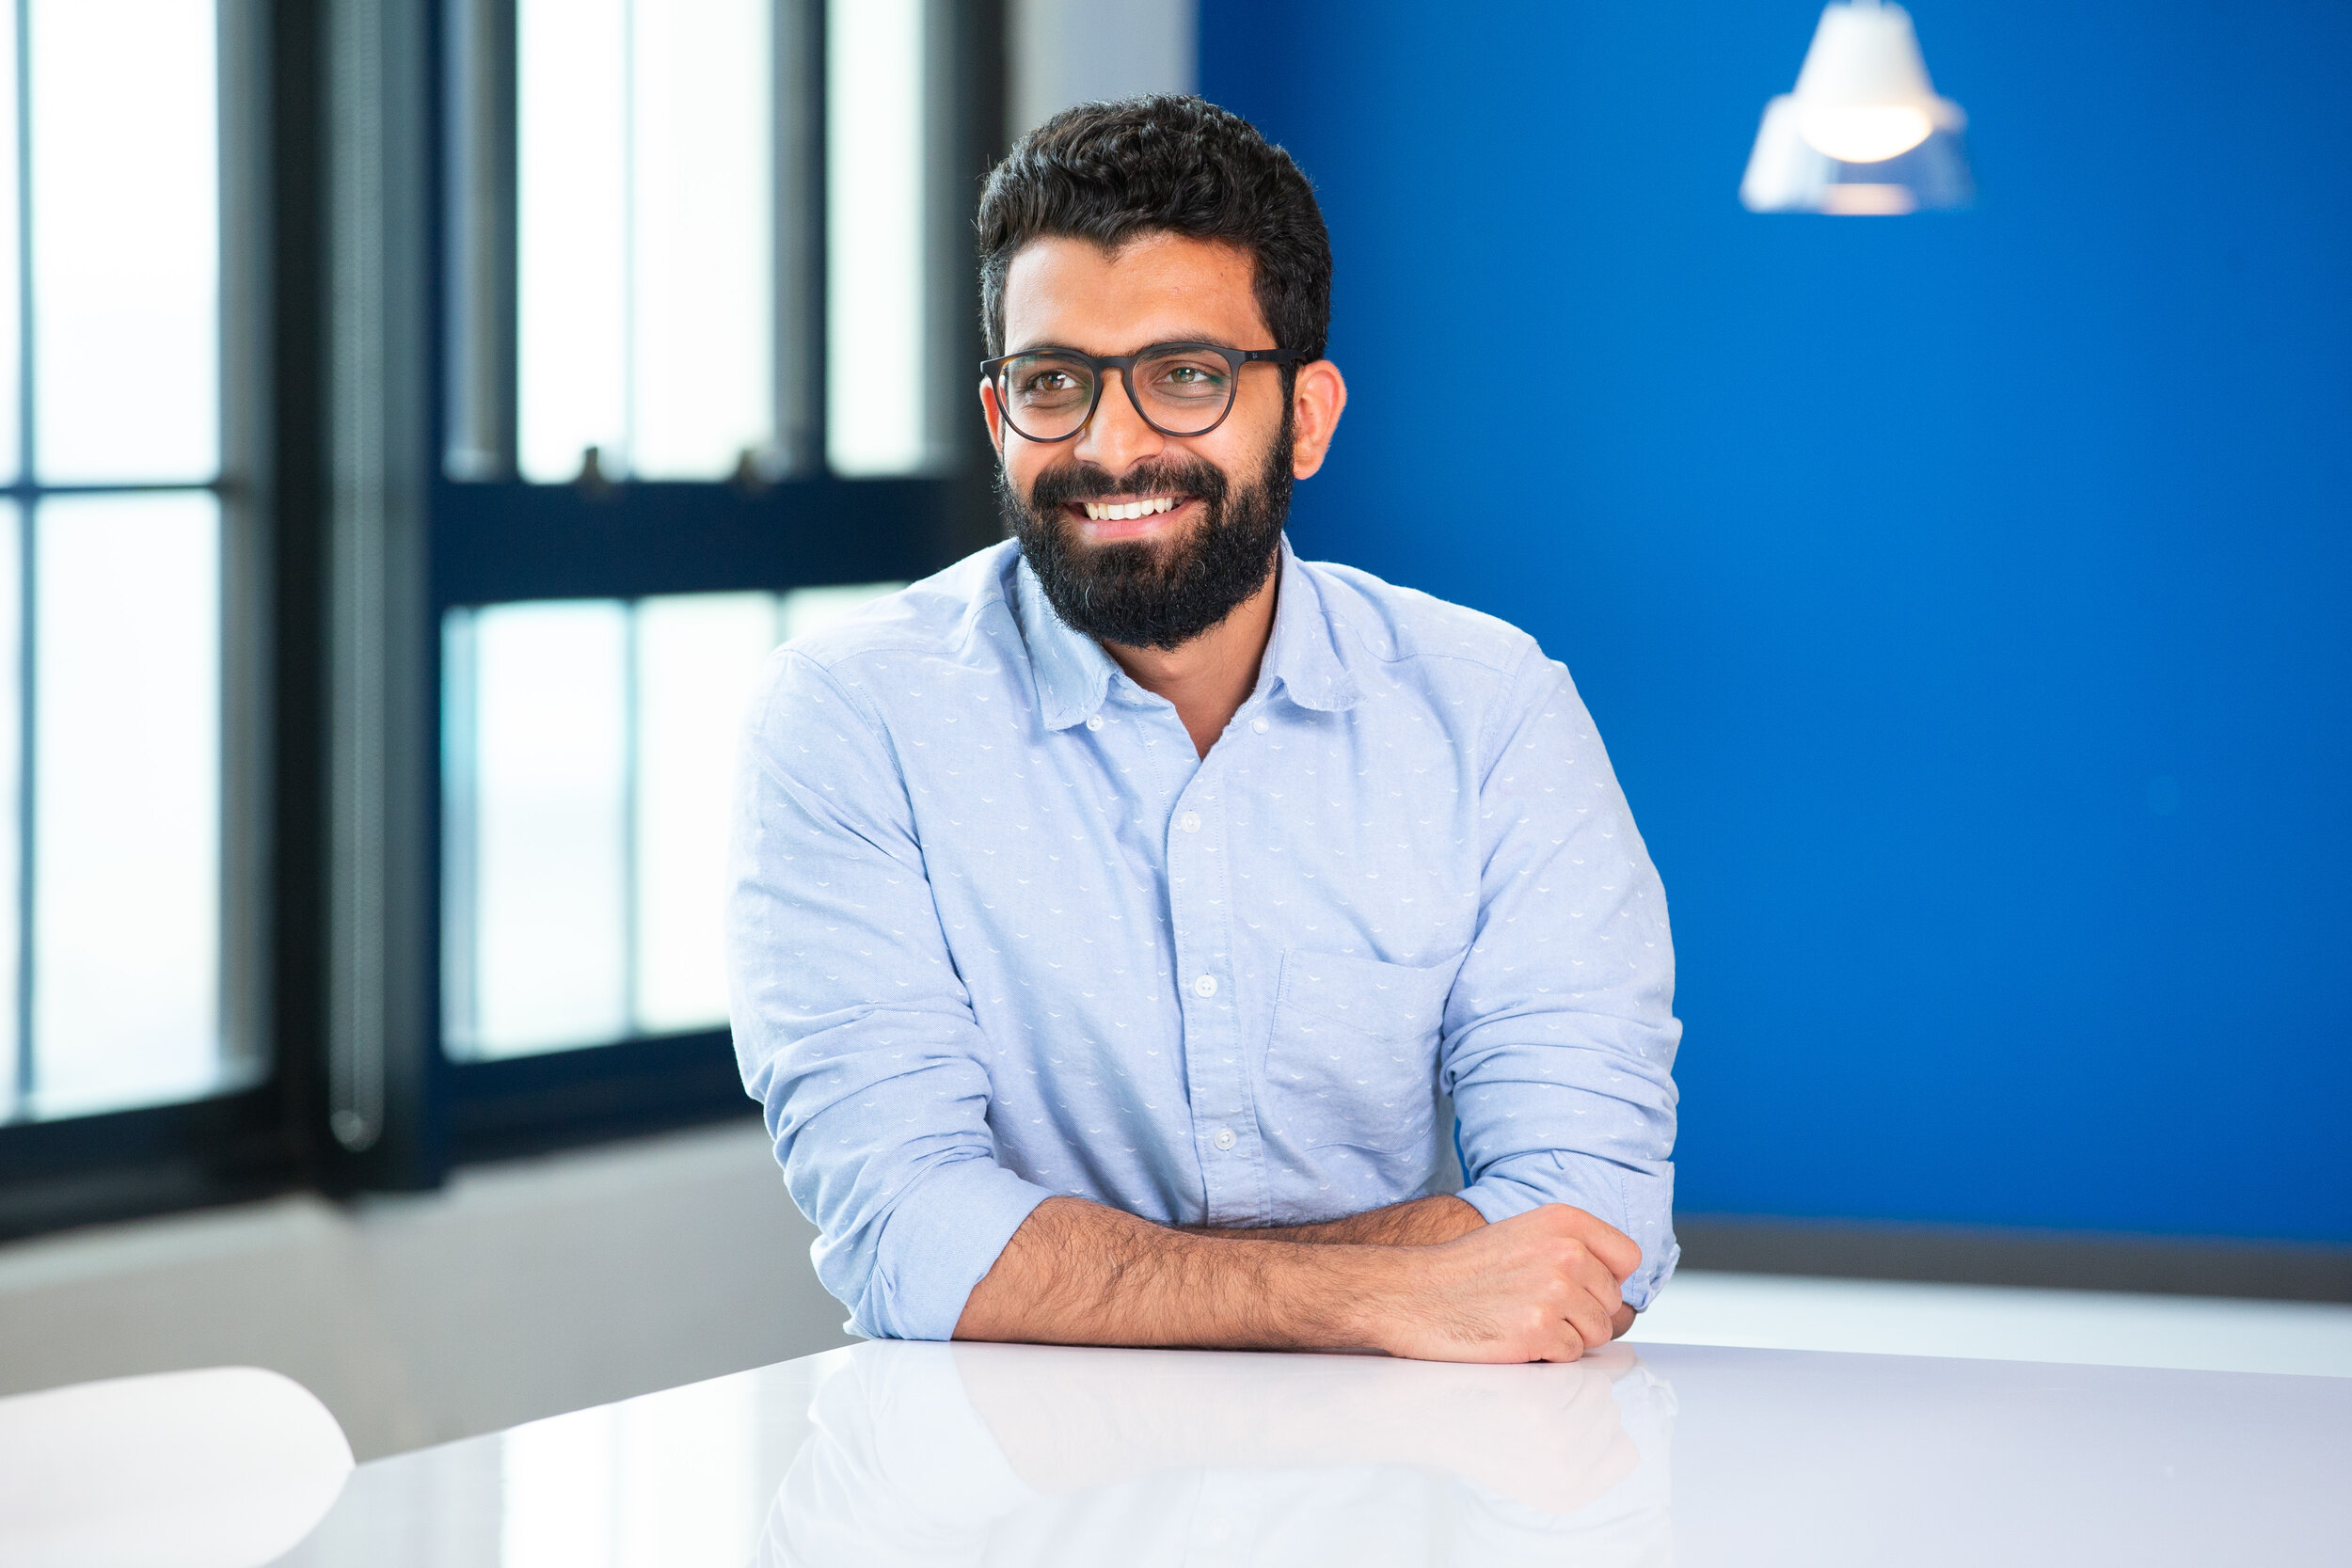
(1049, 394)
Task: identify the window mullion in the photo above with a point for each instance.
(798, 101)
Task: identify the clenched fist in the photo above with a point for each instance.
(1541, 1286)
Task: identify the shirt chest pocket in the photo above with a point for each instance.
(1353, 1057)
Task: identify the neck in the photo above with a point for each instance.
(1211, 676)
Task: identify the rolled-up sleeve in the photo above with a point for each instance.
(851, 1026)
(1560, 1033)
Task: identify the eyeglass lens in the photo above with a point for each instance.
(1182, 391)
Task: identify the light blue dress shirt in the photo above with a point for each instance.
(997, 932)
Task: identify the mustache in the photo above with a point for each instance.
(1068, 483)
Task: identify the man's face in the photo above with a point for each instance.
(1214, 504)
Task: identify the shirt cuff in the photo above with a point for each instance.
(942, 1236)
(1499, 1200)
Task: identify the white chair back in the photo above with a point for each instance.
(226, 1468)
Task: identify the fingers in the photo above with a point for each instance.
(1588, 1273)
(1617, 1251)
(1553, 1322)
(1559, 1225)
(1590, 1319)
(1573, 1319)
(1592, 1258)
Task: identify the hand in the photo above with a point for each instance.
(1540, 1286)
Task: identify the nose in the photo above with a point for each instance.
(1116, 438)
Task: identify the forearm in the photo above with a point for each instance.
(1080, 1274)
(1422, 1222)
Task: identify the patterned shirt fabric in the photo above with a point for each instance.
(997, 932)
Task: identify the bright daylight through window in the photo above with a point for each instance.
(877, 326)
(649, 276)
(589, 764)
(110, 549)
(645, 146)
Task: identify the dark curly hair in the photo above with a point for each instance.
(1166, 164)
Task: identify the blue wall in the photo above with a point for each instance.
(1963, 597)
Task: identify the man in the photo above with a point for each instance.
(1112, 912)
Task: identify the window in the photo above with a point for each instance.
(113, 686)
(418, 420)
(709, 203)
(710, 298)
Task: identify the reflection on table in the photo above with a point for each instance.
(898, 1454)
(934, 1454)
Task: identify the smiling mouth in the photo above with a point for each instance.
(1111, 512)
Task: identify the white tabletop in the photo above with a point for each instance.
(898, 1454)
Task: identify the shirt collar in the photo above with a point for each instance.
(1073, 671)
(1302, 656)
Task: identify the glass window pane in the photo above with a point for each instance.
(704, 350)
(549, 834)
(571, 234)
(126, 802)
(875, 321)
(644, 258)
(807, 609)
(588, 776)
(698, 656)
(126, 273)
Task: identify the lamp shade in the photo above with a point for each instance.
(1864, 133)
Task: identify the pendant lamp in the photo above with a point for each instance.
(1864, 134)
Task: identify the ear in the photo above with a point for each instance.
(1316, 403)
(994, 414)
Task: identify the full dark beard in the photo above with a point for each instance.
(1153, 593)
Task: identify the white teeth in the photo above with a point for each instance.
(1104, 511)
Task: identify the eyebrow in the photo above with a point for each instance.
(1211, 339)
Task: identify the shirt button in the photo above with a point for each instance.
(1190, 822)
(1225, 1138)
(1095, 721)
(1258, 727)
(1205, 986)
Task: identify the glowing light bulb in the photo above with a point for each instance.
(1863, 133)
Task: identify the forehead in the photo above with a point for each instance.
(1075, 293)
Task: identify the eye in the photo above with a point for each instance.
(1193, 379)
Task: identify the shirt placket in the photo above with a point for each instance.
(1224, 1118)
